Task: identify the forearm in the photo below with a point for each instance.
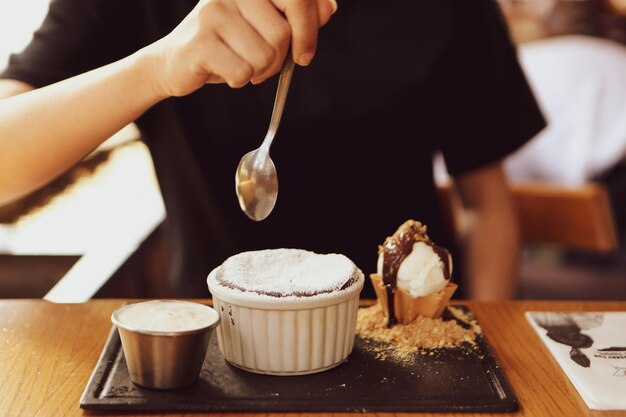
(491, 235)
(492, 255)
(45, 131)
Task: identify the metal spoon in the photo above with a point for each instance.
(256, 182)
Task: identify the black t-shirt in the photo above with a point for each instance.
(391, 83)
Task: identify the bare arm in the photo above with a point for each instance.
(10, 88)
(45, 131)
(492, 238)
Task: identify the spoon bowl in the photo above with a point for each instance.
(256, 182)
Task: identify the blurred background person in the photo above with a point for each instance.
(580, 82)
(574, 55)
(537, 19)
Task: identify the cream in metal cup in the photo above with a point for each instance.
(165, 341)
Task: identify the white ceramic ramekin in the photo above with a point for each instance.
(285, 335)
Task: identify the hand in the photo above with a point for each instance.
(235, 41)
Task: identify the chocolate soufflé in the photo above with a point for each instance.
(286, 311)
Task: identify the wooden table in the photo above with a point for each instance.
(48, 351)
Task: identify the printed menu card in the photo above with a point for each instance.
(591, 348)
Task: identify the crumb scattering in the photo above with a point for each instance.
(420, 335)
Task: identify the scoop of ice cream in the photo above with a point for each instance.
(411, 261)
(422, 272)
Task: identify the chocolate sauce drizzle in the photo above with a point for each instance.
(395, 249)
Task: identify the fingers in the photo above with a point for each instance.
(274, 29)
(304, 21)
(246, 41)
(222, 63)
(237, 41)
(305, 18)
(261, 35)
(325, 9)
(232, 48)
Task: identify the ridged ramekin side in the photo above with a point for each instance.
(287, 342)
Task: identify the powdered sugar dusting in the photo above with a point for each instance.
(287, 272)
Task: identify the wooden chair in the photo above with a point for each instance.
(574, 217)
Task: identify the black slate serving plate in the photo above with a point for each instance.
(449, 380)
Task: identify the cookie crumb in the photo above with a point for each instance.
(420, 336)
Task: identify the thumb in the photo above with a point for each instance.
(325, 9)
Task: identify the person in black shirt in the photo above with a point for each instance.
(390, 84)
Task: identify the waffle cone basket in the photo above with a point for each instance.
(407, 307)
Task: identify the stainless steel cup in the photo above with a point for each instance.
(164, 360)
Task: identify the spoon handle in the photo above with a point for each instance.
(279, 101)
